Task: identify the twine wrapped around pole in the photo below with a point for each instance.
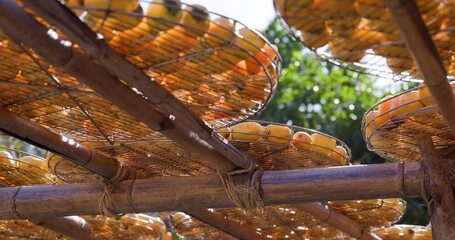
(124, 172)
(248, 194)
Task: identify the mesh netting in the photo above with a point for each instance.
(271, 149)
(363, 36)
(391, 127)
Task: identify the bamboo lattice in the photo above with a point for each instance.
(166, 158)
(391, 126)
(362, 35)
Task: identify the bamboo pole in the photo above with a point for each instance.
(166, 104)
(37, 135)
(327, 215)
(23, 28)
(170, 193)
(421, 46)
(222, 223)
(72, 226)
(442, 196)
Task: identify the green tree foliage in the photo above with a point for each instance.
(320, 95)
(325, 97)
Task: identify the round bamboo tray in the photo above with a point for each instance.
(15, 170)
(24, 229)
(129, 226)
(396, 232)
(391, 127)
(165, 158)
(362, 35)
(221, 79)
(372, 213)
(281, 222)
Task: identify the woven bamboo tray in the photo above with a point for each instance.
(23, 229)
(129, 226)
(15, 170)
(372, 213)
(390, 127)
(205, 76)
(362, 35)
(302, 226)
(396, 232)
(165, 158)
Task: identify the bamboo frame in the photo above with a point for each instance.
(238, 158)
(170, 193)
(327, 215)
(423, 50)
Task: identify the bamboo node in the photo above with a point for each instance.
(108, 184)
(248, 194)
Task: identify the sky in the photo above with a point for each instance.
(253, 13)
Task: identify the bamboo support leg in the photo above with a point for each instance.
(442, 197)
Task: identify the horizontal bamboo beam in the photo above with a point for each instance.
(23, 28)
(166, 104)
(171, 193)
(327, 215)
(72, 226)
(421, 46)
(222, 223)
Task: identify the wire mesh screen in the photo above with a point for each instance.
(275, 147)
(363, 36)
(391, 127)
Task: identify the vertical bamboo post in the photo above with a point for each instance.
(442, 197)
